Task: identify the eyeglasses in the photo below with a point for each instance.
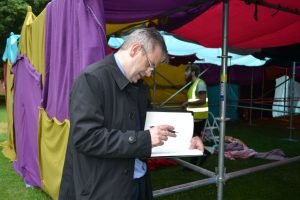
(151, 65)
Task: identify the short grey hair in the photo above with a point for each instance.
(149, 38)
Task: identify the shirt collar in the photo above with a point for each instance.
(119, 65)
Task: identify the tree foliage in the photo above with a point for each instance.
(12, 15)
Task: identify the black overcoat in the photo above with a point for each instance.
(105, 109)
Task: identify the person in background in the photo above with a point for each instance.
(107, 144)
(197, 103)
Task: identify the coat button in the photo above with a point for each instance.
(131, 139)
(131, 116)
(126, 171)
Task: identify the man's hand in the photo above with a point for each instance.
(196, 143)
(160, 133)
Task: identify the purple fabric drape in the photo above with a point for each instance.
(242, 75)
(75, 37)
(212, 75)
(236, 74)
(27, 98)
(117, 11)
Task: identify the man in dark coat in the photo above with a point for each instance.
(107, 143)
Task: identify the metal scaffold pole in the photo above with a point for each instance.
(223, 85)
(291, 104)
(251, 99)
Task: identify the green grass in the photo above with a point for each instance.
(3, 117)
(276, 183)
(273, 184)
(12, 186)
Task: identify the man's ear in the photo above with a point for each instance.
(134, 50)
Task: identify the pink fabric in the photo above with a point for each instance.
(270, 30)
(235, 149)
(246, 153)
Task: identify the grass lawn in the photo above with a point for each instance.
(276, 183)
(273, 184)
(12, 186)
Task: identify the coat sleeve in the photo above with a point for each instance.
(90, 136)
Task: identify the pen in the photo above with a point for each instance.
(172, 131)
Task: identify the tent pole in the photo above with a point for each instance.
(262, 167)
(291, 110)
(262, 91)
(264, 94)
(229, 176)
(194, 167)
(285, 89)
(223, 85)
(251, 98)
(263, 109)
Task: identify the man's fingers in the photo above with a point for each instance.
(163, 137)
(168, 133)
(159, 144)
(166, 127)
(160, 134)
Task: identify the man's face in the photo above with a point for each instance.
(145, 63)
(188, 75)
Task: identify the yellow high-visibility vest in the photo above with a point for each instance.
(201, 111)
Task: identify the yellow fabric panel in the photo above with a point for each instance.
(163, 94)
(169, 79)
(113, 28)
(168, 75)
(53, 138)
(9, 146)
(32, 40)
(26, 38)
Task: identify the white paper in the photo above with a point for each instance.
(183, 123)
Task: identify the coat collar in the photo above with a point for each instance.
(118, 76)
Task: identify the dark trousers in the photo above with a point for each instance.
(142, 188)
(198, 127)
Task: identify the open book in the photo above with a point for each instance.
(184, 126)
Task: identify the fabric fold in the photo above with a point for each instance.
(52, 140)
(25, 111)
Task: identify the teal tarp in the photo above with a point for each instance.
(233, 95)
